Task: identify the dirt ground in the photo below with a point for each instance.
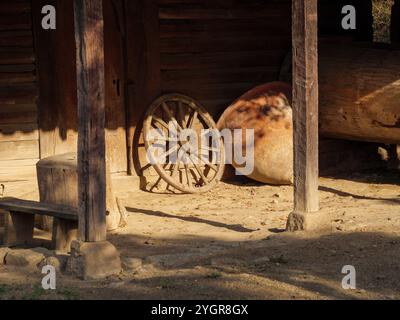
(230, 244)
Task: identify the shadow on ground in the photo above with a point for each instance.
(281, 267)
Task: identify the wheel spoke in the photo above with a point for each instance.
(170, 116)
(212, 166)
(169, 152)
(181, 114)
(198, 169)
(160, 122)
(189, 179)
(191, 122)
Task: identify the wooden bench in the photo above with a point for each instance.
(20, 222)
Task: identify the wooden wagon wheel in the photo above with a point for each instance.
(190, 171)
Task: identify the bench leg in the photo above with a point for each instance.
(18, 229)
(64, 232)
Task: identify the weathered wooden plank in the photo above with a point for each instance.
(18, 229)
(26, 94)
(16, 78)
(224, 43)
(89, 35)
(143, 64)
(185, 12)
(39, 208)
(219, 76)
(18, 132)
(18, 117)
(16, 38)
(15, 21)
(305, 105)
(115, 89)
(23, 6)
(16, 57)
(211, 28)
(18, 150)
(221, 60)
(17, 68)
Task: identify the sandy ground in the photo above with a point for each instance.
(230, 244)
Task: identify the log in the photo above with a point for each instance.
(360, 93)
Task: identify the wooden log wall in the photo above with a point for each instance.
(55, 50)
(19, 137)
(215, 51)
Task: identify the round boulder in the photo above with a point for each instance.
(267, 110)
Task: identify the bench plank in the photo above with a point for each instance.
(38, 208)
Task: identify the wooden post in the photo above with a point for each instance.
(91, 120)
(305, 113)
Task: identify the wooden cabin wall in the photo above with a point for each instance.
(215, 51)
(55, 51)
(56, 55)
(211, 50)
(19, 137)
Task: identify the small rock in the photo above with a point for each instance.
(131, 264)
(46, 252)
(24, 258)
(3, 254)
(58, 262)
(275, 201)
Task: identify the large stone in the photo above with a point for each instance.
(132, 264)
(93, 261)
(24, 258)
(3, 254)
(316, 221)
(58, 262)
(266, 110)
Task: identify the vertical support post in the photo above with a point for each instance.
(91, 120)
(305, 114)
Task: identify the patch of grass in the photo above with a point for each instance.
(69, 294)
(4, 289)
(36, 294)
(167, 284)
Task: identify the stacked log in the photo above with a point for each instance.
(360, 93)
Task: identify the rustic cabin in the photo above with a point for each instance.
(211, 51)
